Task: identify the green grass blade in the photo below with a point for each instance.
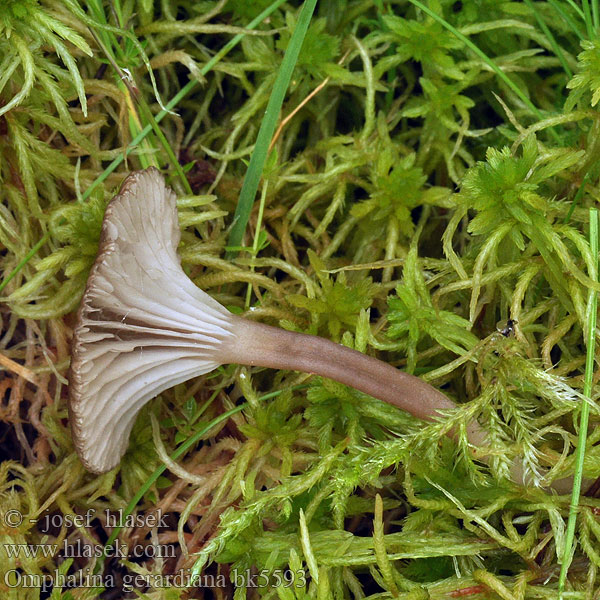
(149, 117)
(469, 44)
(567, 18)
(267, 127)
(573, 4)
(119, 61)
(587, 17)
(551, 38)
(592, 306)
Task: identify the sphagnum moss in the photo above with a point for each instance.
(448, 181)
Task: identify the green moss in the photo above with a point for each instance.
(435, 187)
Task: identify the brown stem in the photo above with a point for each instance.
(260, 345)
(257, 344)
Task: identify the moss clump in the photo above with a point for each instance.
(431, 186)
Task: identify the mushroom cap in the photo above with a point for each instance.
(142, 326)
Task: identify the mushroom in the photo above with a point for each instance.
(143, 326)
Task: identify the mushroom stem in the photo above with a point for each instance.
(259, 345)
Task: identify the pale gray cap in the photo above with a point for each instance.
(142, 327)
